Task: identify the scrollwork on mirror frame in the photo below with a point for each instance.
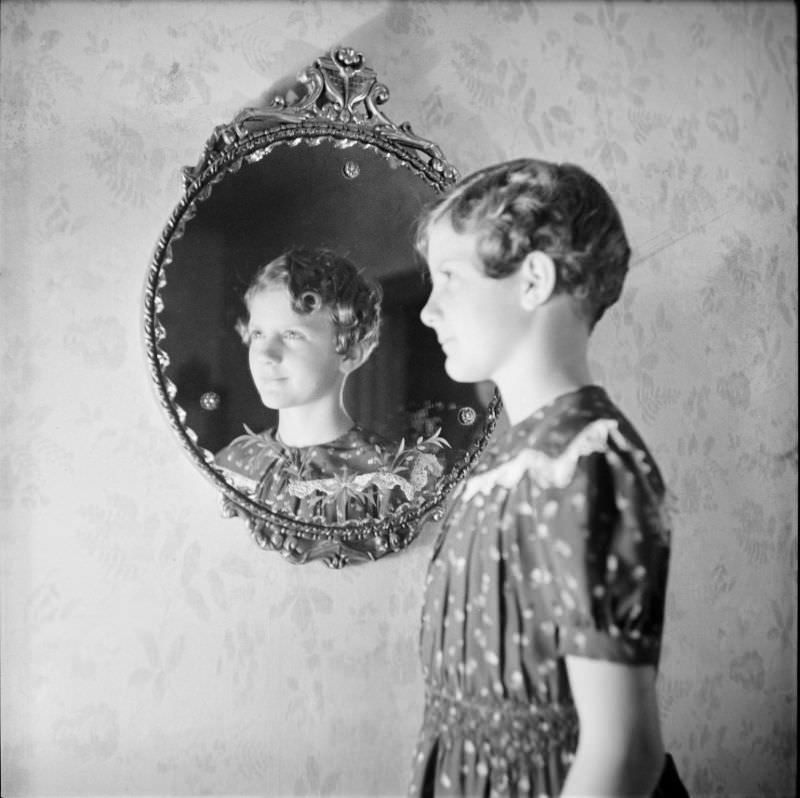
(340, 105)
(342, 99)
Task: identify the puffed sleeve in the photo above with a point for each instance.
(610, 557)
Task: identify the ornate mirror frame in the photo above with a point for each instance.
(340, 106)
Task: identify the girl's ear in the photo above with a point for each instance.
(538, 279)
(356, 357)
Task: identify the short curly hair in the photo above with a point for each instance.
(320, 278)
(526, 205)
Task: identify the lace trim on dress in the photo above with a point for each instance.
(548, 472)
(333, 486)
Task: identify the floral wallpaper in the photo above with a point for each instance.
(148, 647)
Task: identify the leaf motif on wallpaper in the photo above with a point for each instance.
(312, 781)
(698, 488)
(117, 534)
(707, 696)
(434, 115)
(303, 603)
(32, 92)
(747, 670)
(672, 692)
(241, 648)
(782, 628)
(27, 467)
(724, 123)
(785, 63)
(528, 108)
(787, 309)
(513, 76)
(174, 539)
(759, 535)
(194, 598)
(237, 566)
(21, 480)
(684, 132)
(96, 46)
(645, 122)
(779, 741)
(255, 762)
(100, 341)
(757, 92)
(46, 606)
(56, 215)
(20, 32)
(217, 590)
(473, 64)
(90, 732)
(129, 168)
(558, 125)
(652, 398)
(157, 672)
(409, 19)
(722, 582)
(231, 583)
(609, 153)
(735, 389)
(735, 281)
(588, 85)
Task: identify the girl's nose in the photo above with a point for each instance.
(270, 351)
(430, 312)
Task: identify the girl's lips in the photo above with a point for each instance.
(267, 378)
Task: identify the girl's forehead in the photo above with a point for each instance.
(446, 243)
(273, 306)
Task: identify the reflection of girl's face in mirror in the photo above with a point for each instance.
(293, 357)
(312, 319)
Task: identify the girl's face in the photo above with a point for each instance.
(292, 355)
(477, 319)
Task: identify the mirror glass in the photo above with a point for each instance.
(336, 175)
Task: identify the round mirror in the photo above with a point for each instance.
(329, 174)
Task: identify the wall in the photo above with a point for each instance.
(148, 647)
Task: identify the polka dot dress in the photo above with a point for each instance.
(557, 545)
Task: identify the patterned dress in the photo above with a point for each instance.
(556, 545)
(358, 475)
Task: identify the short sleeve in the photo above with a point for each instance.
(611, 557)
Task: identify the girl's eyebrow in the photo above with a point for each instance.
(450, 261)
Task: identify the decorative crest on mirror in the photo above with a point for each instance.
(340, 88)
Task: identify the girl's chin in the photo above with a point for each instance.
(463, 372)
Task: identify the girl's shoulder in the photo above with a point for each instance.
(548, 447)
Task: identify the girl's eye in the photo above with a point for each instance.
(255, 335)
(292, 335)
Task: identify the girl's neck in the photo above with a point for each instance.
(306, 426)
(553, 362)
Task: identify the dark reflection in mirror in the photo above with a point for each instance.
(356, 202)
(312, 320)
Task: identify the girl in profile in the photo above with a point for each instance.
(544, 604)
(313, 319)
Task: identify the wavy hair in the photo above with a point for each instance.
(319, 278)
(526, 205)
